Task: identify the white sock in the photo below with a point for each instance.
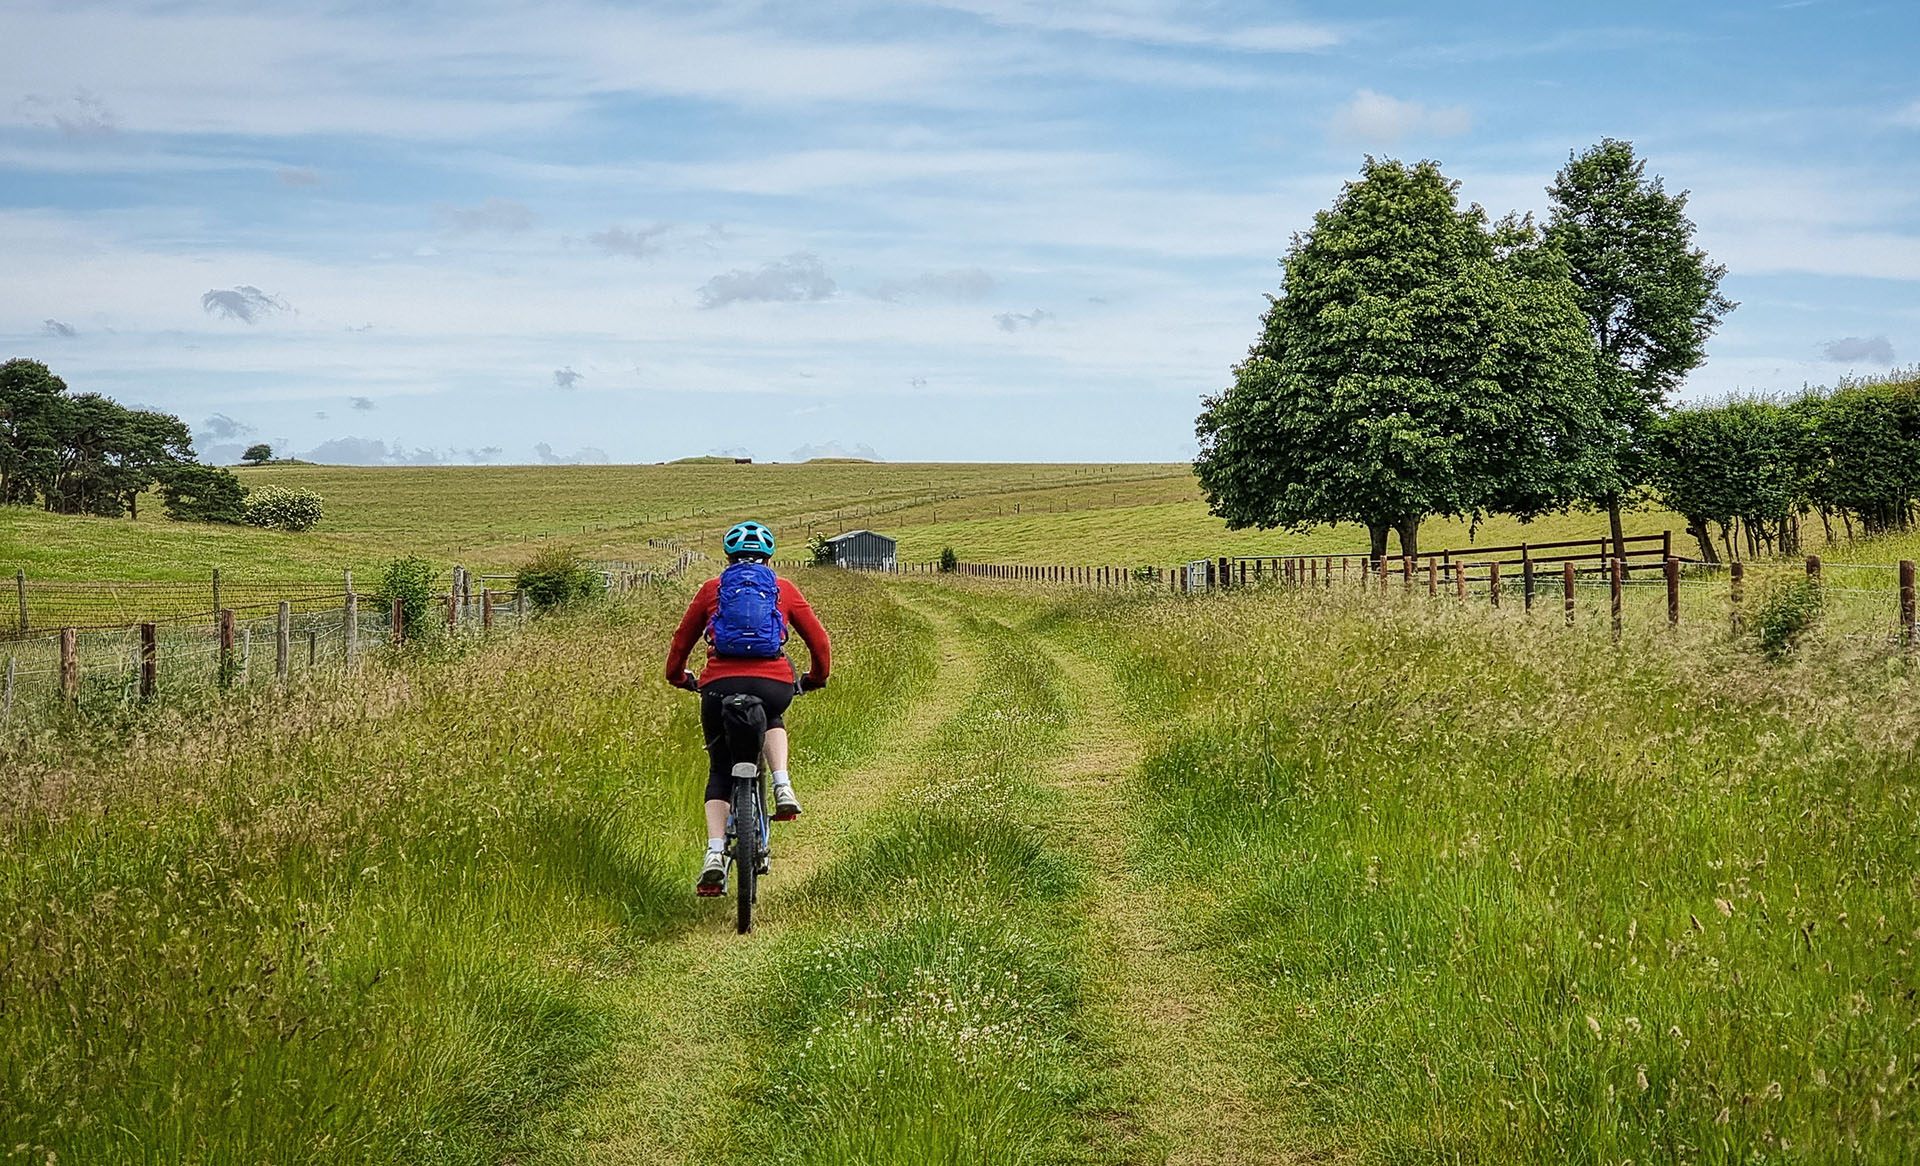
(780, 777)
(716, 845)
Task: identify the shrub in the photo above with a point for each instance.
(949, 562)
(1785, 615)
(281, 508)
(819, 551)
(557, 577)
(191, 492)
(410, 580)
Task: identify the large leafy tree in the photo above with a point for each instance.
(1651, 298)
(80, 453)
(1416, 362)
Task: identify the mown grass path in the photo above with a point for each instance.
(679, 1061)
(1195, 1088)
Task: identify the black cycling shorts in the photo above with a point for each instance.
(774, 694)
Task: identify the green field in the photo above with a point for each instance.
(493, 518)
(1093, 877)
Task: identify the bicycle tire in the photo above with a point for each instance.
(746, 847)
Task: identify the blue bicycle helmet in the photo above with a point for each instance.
(749, 538)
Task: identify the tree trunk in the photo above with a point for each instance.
(1378, 533)
(1613, 524)
(1408, 527)
(1700, 533)
(1826, 520)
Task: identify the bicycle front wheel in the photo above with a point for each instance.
(746, 847)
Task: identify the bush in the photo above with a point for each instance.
(819, 551)
(191, 492)
(281, 508)
(411, 581)
(949, 562)
(1785, 615)
(557, 577)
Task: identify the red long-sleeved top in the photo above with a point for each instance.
(794, 609)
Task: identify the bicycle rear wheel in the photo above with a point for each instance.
(746, 847)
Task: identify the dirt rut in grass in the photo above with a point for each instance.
(1192, 1084)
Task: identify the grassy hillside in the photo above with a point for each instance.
(491, 518)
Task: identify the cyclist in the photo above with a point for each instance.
(744, 614)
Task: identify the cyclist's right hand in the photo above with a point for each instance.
(809, 683)
(688, 682)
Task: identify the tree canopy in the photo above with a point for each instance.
(1651, 299)
(83, 453)
(1417, 361)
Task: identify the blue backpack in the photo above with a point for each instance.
(747, 622)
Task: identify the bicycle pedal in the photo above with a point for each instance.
(712, 892)
(786, 815)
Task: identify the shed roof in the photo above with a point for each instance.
(856, 533)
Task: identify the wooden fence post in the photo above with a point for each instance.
(1493, 582)
(20, 582)
(1566, 590)
(283, 642)
(1908, 632)
(1736, 592)
(453, 612)
(313, 648)
(486, 609)
(1433, 577)
(1614, 569)
(226, 646)
(1813, 567)
(1673, 590)
(399, 621)
(1526, 579)
(1406, 572)
(70, 665)
(149, 659)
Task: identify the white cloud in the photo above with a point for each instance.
(963, 284)
(1016, 321)
(221, 427)
(800, 276)
(640, 244)
(586, 455)
(566, 378)
(245, 303)
(1152, 22)
(1371, 118)
(835, 449)
(80, 116)
(59, 329)
(1854, 349)
(495, 214)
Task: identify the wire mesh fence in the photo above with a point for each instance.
(281, 642)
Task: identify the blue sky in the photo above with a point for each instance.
(935, 229)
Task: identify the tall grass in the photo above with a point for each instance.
(1500, 890)
(930, 1014)
(353, 923)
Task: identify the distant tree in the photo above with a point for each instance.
(259, 454)
(1651, 299)
(1865, 453)
(1415, 362)
(192, 492)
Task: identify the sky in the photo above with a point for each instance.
(910, 229)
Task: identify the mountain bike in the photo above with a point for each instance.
(749, 831)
